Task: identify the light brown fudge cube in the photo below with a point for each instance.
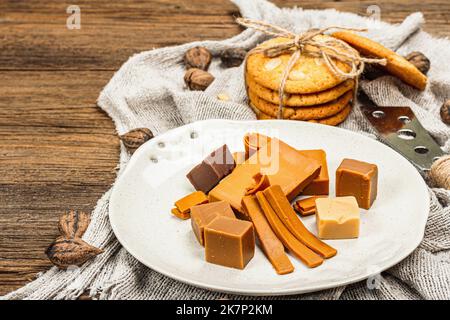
(358, 179)
(229, 242)
(202, 215)
(337, 218)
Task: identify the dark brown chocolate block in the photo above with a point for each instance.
(358, 179)
(221, 160)
(210, 171)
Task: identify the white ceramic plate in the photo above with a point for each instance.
(155, 177)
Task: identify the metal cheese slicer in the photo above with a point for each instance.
(400, 129)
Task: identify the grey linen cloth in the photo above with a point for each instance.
(148, 91)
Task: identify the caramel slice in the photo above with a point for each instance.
(306, 207)
(283, 209)
(306, 255)
(271, 245)
(185, 204)
(180, 215)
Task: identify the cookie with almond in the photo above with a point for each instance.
(310, 73)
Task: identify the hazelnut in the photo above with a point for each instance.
(233, 57)
(197, 79)
(135, 138)
(197, 57)
(445, 112)
(419, 60)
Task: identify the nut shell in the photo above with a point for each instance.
(233, 57)
(197, 57)
(135, 138)
(419, 60)
(70, 252)
(445, 112)
(197, 79)
(73, 223)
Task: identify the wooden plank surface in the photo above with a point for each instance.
(57, 149)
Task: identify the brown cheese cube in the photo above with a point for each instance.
(337, 218)
(321, 184)
(202, 215)
(203, 177)
(212, 169)
(229, 242)
(358, 179)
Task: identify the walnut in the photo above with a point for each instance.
(419, 60)
(233, 57)
(197, 79)
(445, 112)
(197, 57)
(135, 138)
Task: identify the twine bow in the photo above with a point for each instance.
(329, 49)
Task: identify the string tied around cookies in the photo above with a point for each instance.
(329, 49)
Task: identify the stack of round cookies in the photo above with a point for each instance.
(312, 91)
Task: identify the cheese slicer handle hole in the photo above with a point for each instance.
(406, 134)
(404, 119)
(421, 150)
(378, 114)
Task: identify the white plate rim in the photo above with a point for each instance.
(258, 292)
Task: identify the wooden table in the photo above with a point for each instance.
(57, 149)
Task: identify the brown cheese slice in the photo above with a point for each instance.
(306, 207)
(283, 209)
(321, 184)
(253, 142)
(261, 182)
(185, 204)
(181, 215)
(306, 255)
(282, 164)
(271, 245)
